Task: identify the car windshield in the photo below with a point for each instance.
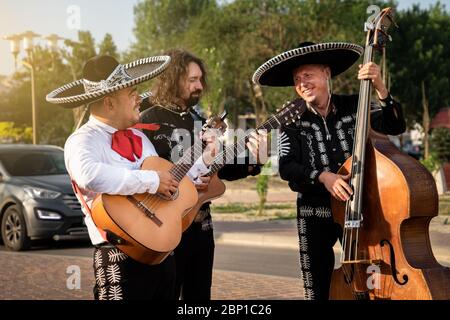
(33, 163)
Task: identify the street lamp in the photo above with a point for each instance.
(28, 40)
(52, 41)
(28, 45)
(15, 45)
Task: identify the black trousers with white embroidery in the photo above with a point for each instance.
(317, 234)
(119, 277)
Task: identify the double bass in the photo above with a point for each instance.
(386, 250)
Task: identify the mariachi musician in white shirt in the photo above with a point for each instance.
(105, 156)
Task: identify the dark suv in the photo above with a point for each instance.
(36, 197)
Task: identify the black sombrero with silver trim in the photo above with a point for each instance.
(146, 95)
(277, 72)
(103, 75)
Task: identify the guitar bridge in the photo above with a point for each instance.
(142, 207)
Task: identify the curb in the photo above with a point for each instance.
(259, 240)
(441, 252)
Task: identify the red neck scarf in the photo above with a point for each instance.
(128, 144)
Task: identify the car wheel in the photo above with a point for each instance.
(14, 230)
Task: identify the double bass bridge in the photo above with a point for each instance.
(363, 261)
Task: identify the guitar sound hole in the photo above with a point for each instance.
(171, 198)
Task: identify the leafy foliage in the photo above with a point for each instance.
(440, 142)
(234, 38)
(11, 134)
(419, 53)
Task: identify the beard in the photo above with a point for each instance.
(193, 99)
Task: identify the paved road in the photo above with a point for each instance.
(40, 275)
(255, 260)
(250, 259)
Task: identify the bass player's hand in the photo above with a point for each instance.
(337, 185)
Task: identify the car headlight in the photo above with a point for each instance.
(38, 193)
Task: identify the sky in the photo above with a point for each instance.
(66, 17)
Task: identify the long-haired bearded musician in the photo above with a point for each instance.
(175, 94)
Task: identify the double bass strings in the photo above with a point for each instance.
(353, 206)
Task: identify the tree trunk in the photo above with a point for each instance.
(78, 111)
(425, 122)
(255, 103)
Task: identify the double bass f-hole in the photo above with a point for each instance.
(393, 267)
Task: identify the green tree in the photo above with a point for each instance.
(107, 46)
(440, 144)
(54, 124)
(16, 103)
(250, 32)
(79, 52)
(418, 56)
(235, 37)
(163, 24)
(262, 187)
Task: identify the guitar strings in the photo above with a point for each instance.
(179, 171)
(152, 200)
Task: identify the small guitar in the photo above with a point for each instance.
(147, 227)
(290, 112)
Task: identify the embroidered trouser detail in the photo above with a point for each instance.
(317, 234)
(119, 277)
(108, 273)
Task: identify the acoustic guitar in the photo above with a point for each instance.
(147, 227)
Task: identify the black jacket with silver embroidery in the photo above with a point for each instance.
(315, 144)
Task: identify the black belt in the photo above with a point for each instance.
(104, 245)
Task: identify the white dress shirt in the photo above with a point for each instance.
(96, 168)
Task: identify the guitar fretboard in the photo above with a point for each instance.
(185, 163)
(229, 152)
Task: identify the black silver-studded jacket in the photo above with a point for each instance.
(165, 139)
(315, 144)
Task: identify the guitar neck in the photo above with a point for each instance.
(229, 152)
(183, 165)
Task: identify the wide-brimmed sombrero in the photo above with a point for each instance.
(103, 75)
(277, 72)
